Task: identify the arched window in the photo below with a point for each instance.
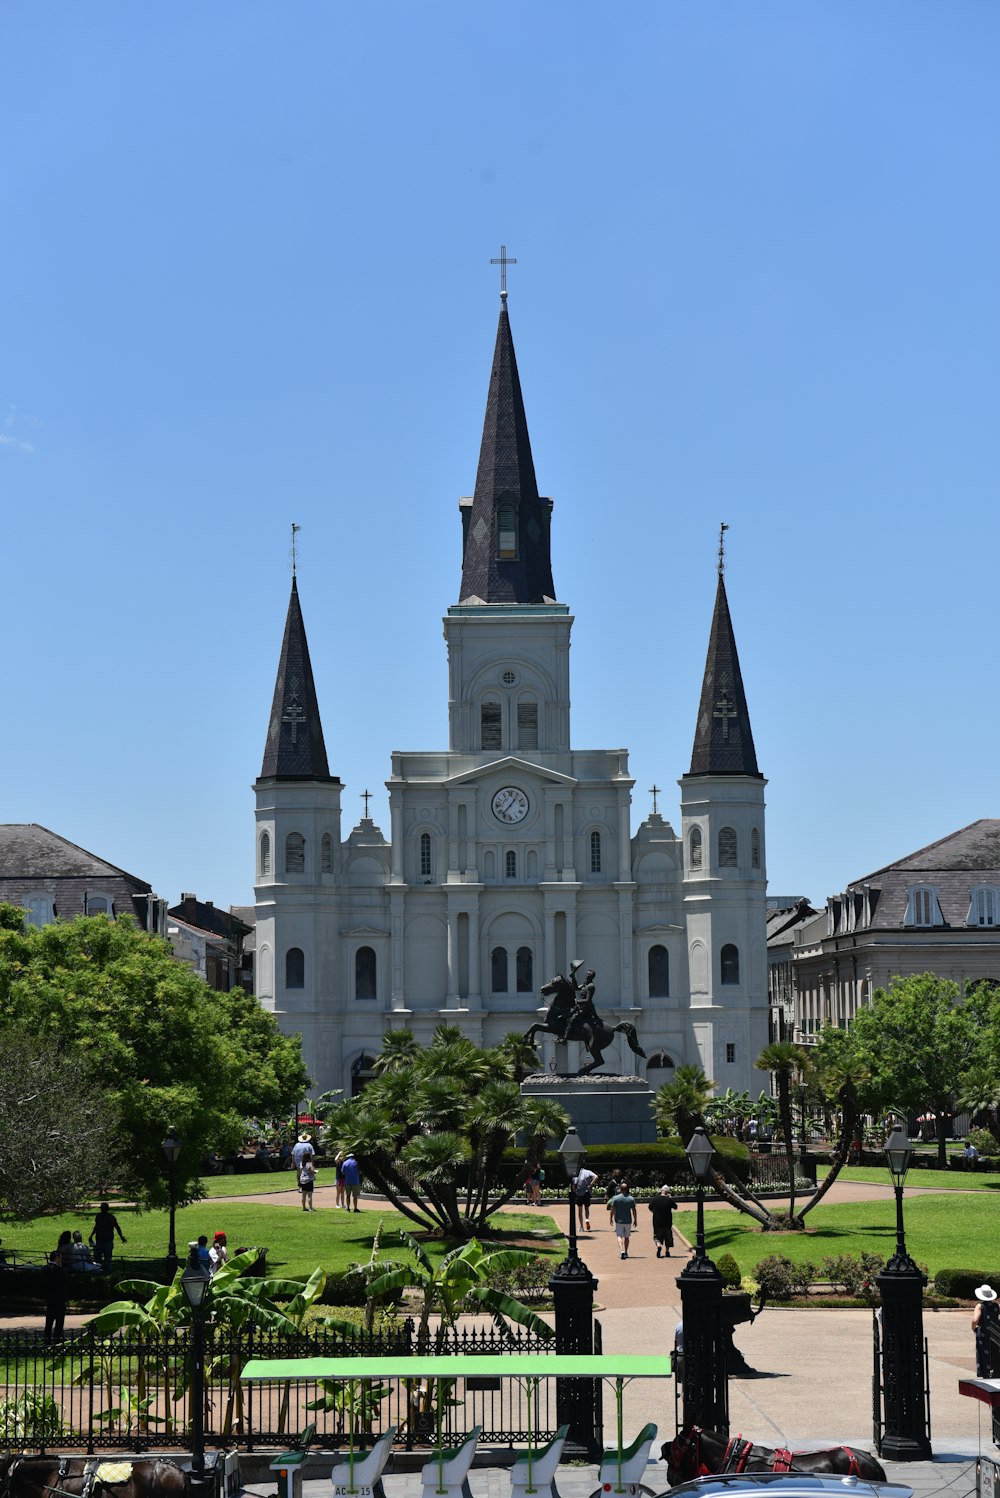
(694, 848)
(498, 970)
(40, 909)
(525, 971)
(727, 848)
(730, 961)
(510, 864)
(489, 724)
(96, 904)
(295, 853)
(326, 854)
(295, 968)
(362, 1071)
(659, 972)
(659, 1068)
(755, 849)
(265, 856)
(425, 854)
(527, 723)
(595, 852)
(507, 532)
(364, 973)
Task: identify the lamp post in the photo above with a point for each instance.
(195, 1282)
(573, 1287)
(706, 1389)
(171, 1147)
(906, 1430)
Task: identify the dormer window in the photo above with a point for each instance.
(507, 532)
(984, 906)
(922, 907)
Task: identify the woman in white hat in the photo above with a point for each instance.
(984, 1316)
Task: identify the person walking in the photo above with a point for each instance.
(583, 1185)
(352, 1181)
(338, 1166)
(622, 1211)
(303, 1150)
(103, 1235)
(985, 1315)
(307, 1180)
(663, 1208)
(56, 1296)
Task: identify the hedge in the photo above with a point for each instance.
(663, 1163)
(964, 1282)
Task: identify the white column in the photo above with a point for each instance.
(452, 1001)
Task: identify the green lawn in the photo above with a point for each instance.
(940, 1180)
(296, 1241)
(260, 1183)
(941, 1232)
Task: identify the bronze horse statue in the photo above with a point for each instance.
(696, 1453)
(572, 1016)
(80, 1477)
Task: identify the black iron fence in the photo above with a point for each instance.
(132, 1391)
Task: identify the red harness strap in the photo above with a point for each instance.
(782, 1460)
(853, 1469)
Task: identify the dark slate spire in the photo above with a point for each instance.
(509, 562)
(295, 748)
(723, 742)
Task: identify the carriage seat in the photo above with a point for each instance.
(534, 1472)
(289, 1464)
(633, 1464)
(446, 1475)
(361, 1471)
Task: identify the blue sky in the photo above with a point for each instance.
(246, 281)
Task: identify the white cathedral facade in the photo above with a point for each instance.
(511, 851)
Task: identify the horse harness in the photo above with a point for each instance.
(739, 1451)
(91, 1476)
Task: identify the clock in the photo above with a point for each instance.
(510, 805)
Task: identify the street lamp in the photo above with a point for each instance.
(706, 1389)
(573, 1288)
(195, 1282)
(906, 1430)
(171, 1147)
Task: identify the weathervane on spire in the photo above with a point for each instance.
(503, 260)
(295, 531)
(722, 547)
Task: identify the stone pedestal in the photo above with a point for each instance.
(605, 1110)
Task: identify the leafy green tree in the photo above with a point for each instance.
(58, 1125)
(163, 1047)
(917, 1041)
(431, 1127)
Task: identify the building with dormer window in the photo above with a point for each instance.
(510, 852)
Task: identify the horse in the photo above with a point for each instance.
(697, 1453)
(571, 1017)
(81, 1477)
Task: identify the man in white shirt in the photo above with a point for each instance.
(583, 1184)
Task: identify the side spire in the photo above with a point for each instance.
(295, 749)
(723, 741)
(506, 556)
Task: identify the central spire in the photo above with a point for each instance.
(506, 556)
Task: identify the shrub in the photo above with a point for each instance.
(774, 1277)
(984, 1141)
(964, 1282)
(528, 1283)
(854, 1273)
(30, 1419)
(730, 1271)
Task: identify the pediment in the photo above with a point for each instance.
(512, 764)
(363, 931)
(657, 928)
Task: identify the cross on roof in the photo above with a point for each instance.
(725, 710)
(295, 531)
(722, 547)
(366, 797)
(294, 714)
(654, 791)
(503, 260)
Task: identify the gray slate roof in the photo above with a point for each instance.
(506, 472)
(953, 866)
(723, 741)
(34, 860)
(295, 749)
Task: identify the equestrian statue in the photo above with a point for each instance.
(573, 1016)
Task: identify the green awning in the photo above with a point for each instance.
(458, 1365)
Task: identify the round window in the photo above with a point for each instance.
(509, 678)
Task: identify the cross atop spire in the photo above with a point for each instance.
(503, 260)
(722, 548)
(295, 531)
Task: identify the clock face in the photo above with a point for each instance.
(510, 805)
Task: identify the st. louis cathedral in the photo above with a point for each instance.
(511, 851)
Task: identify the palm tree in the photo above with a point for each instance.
(783, 1058)
(516, 1057)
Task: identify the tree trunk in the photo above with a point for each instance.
(841, 1155)
(941, 1124)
